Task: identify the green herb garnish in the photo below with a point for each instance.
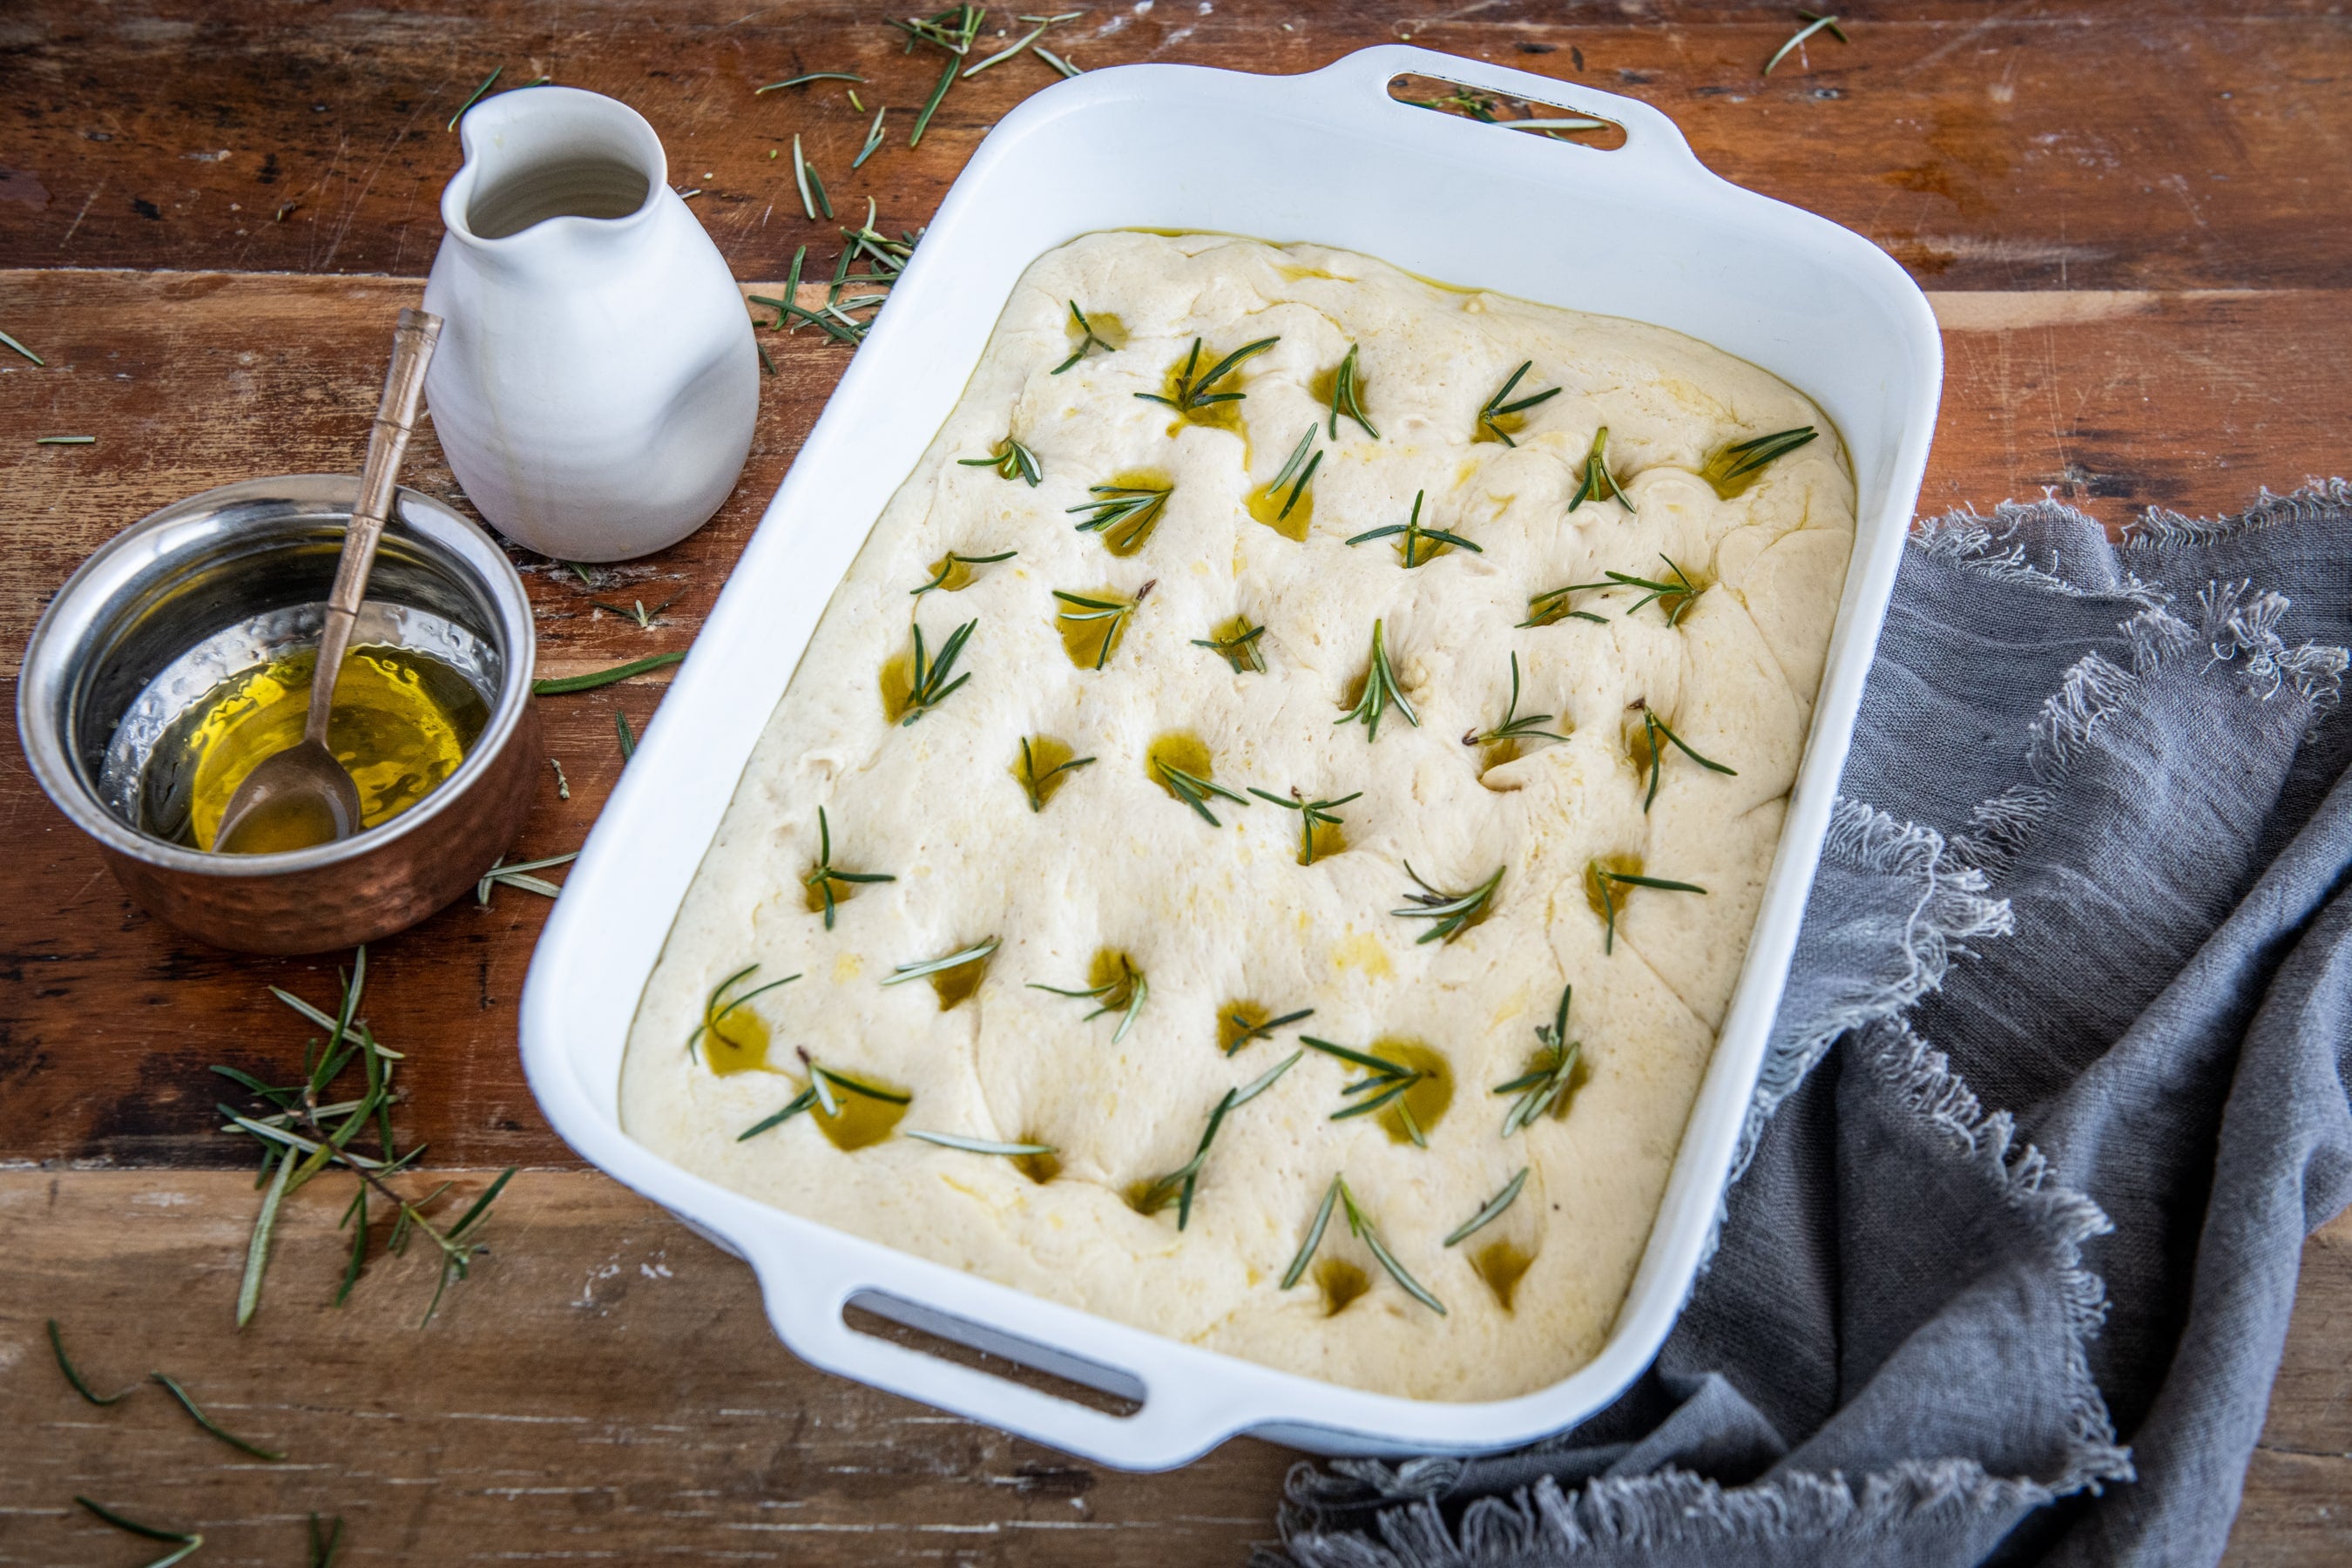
(1384, 1083)
(188, 1542)
(1815, 23)
(952, 30)
(1194, 791)
(952, 560)
(1124, 994)
(806, 77)
(1734, 468)
(1416, 536)
(805, 177)
(1056, 61)
(1197, 392)
(929, 685)
(188, 1402)
(1364, 1231)
(873, 140)
(1599, 483)
(628, 741)
(1125, 514)
(1381, 689)
(518, 875)
(713, 1015)
(637, 612)
(1605, 879)
(64, 440)
(1291, 466)
(1012, 460)
(1513, 726)
(1033, 782)
(1085, 343)
(1178, 1185)
(470, 103)
(925, 966)
(1346, 397)
(1448, 913)
(980, 1145)
(325, 1545)
(21, 349)
(1322, 1222)
(1497, 409)
(1240, 650)
(1492, 1211)
(1552, 605)
(819, 1096)
(565, 685)
(65, 1365)
(1540, 1089)
(823, 877)
(1652, 727)
(1079, 609)
(1024, 41)
(1311, 814)
(1248, 1032)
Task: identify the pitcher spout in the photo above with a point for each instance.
(552, 158)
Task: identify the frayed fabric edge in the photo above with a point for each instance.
(2316, 498)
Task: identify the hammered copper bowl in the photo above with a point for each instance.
(226, 579)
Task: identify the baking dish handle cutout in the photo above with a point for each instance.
(1528, 116)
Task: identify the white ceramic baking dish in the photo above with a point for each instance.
(1643, 231)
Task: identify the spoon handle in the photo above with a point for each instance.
(396, 417)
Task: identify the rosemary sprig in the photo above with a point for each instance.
(325, 1545)
(1599, 483)
(1551, 605)
(873, 140)
(1196, 392)
(1194, 791)
(1447, 913)
(1078, 608)
(807, 77)
(566, 685)
(1541, 1089)
(1026, 40)
(1348, 397)
(1291, 466)
(1311, 814)
(929, 966)
(930, 685)
(628, 740)
(1815, 23)
(21, 349)
(1652, 727)
(1734, 468)
(1247, 1032)
(1492, 1211)
(952, 30)
(1513, 726)
(823, 877)
(1384, 1083)
(1178, 1185)
(713, 1015)
(1240, 650)
(637, 612)
(1417, 537)
(1088, 343)
(1381, 689)
(1364, 1231)
(188, 1402)
(1322, 1222)
(1124, 994)
(65, 1365)
(1011, 459)
(518, 875)
(187, 1543)
(1682, 591)
(819, 1096)
(1125, 514)
(952, 560)
(1606, 879)
(1056, 61)
(805, 177)
(1033, 782)
(980, 1145)
(477, 96)
(1497, 409)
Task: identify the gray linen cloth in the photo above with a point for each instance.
(2008, 1271)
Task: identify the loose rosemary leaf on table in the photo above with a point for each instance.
(1513, 726)
(187, 1541)
(824, 876)
(187, 1403)
(807, 77)
(73, 1375)
(565, 685)
(952, 30)
(1813, 23)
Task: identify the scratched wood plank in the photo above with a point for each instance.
(606, 1386)
(2163, 144)
(108, 1020)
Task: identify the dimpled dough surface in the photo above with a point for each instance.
(1216, 915)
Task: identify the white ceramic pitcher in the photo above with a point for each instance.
(596, 383)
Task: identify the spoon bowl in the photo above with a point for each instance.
(299, 797)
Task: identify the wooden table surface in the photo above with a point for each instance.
(2129, 217)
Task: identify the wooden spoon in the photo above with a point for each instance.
(303, 796)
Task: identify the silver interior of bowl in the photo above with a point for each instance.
(256, 640)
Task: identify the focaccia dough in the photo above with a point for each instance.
(1217, 915)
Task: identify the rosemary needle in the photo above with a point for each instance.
(1087, 342)
(1033, 782)
(1125, 995)
(477, 96)
(980, 1146)
(1291, 466)
(952, 30)
(1247, 1031)
(1815, 23)
(1056, 61)
(628, 741)
(1179, 1184)
(594, 679)
(1078, 609)
(21, 349)
(65, 1365)
(1496, 410)
(1380, 689)
(187, 1543)
(1492, 1211)
(807, 77)
(873, 140)
(805, 177)
(950, 562)
(1604, 878)
(1652, 727)
(1513, 726)
(1449, 913)
(1417, 537)
(823, 877)
(1384, 1082)
(188, 1403)
(1348, 398)
(1194, 791)
(921, 967)
(929, 684)
(713, 1015)
(518, 875)
(1240, 650)
(1312, 814)
(325, 1543)
(1125, 514)
(1028, 38)
(1369, 1235)
(1734, 467)
(1314, 1236)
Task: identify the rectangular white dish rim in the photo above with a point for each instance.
(1879, 382)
